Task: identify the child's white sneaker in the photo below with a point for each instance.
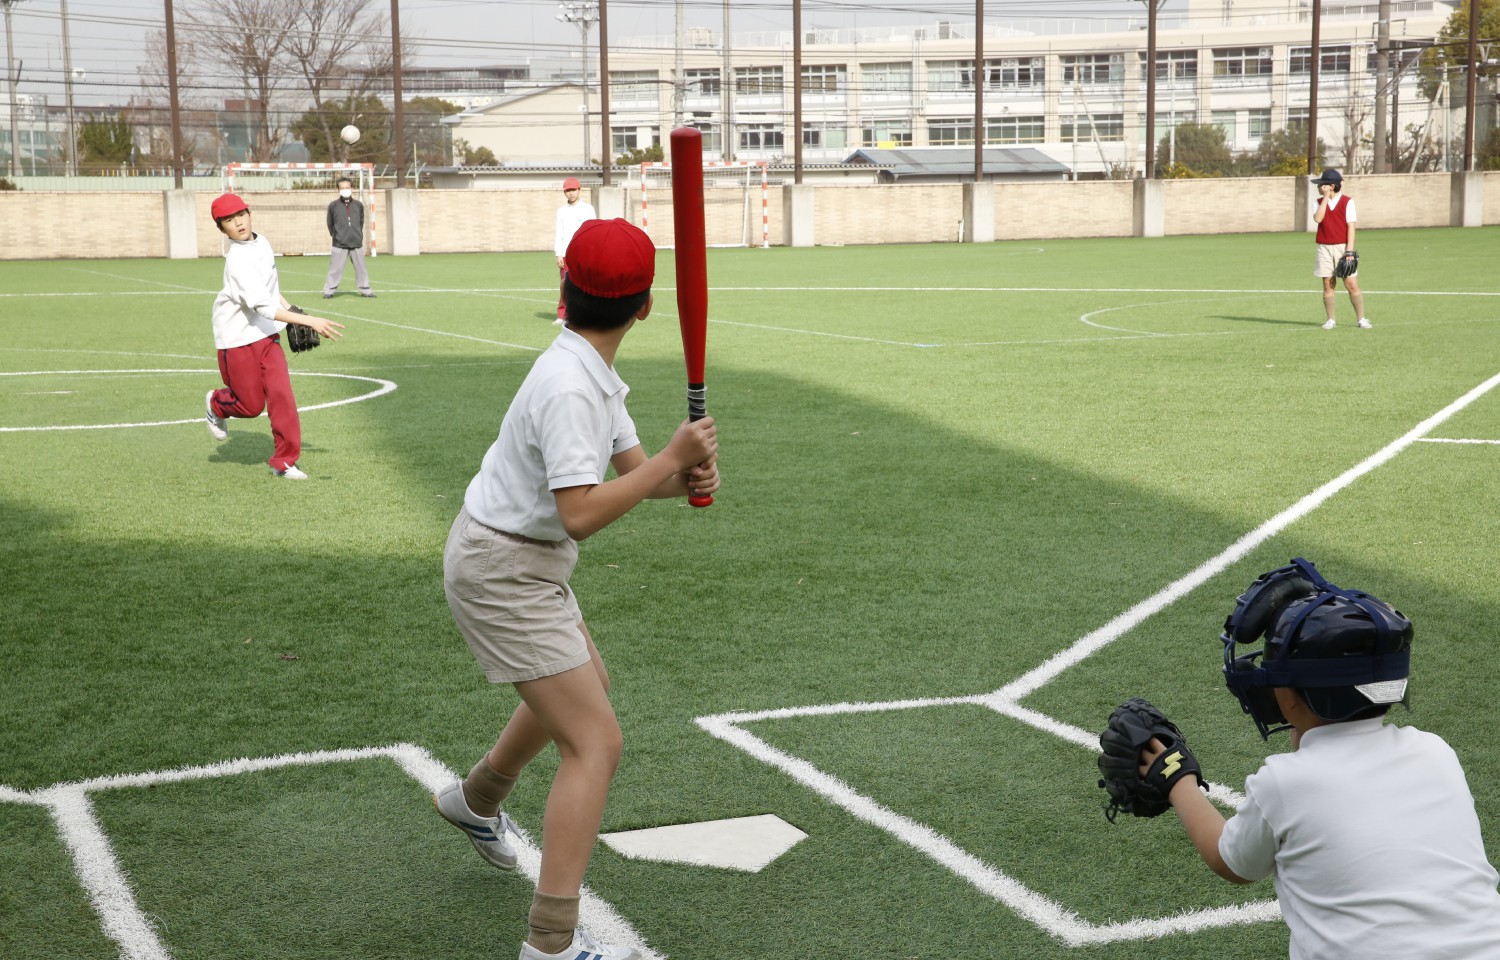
(584, 947)
(486, 833)
(1365, 324)
(1330, 324)
(290, 473)
(214, 421)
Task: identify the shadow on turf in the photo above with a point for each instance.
(1238, 319)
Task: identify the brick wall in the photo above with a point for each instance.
(1252, 205)
(1401, 199)
(1492, 196)
(81, 226)
(487, 221)
(1087, 208)
(886, 213)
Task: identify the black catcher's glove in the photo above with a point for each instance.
(1348, 265)
(1129, 730)
(298, 337)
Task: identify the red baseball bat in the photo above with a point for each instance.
(691, 248)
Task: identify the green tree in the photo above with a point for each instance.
(104, 142)
(1201, 151)
(1283, 153)
(635, 155)
(428, 139)
(367, 113)
(471, 156)
(1450, 53)
(7, 185)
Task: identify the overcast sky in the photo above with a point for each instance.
(106, 35)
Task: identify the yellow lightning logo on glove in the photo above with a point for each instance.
(1173, 764)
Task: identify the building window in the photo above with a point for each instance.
(702, 83)
(1260, 123)
(1224, 120)
(886, 77)
(1094, 68)
(1015, 129)
(1173, 65)
(1014, 73)
(626, 139)
(885, 133)
(1333, 60)
(712, 139)
(950, 133)
(828, 78)
(1242, 62)
(633, 86)
(758, 81)
(948, 76)
(760, 136)
(1104, 126)
(824, 136)
(1296, 117)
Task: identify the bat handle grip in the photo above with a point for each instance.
(697, 410)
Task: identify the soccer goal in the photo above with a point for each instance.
(736, 203)
(289, 201)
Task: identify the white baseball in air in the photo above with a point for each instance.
(349, 134)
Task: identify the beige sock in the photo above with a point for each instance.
(552, 920)
(485, 790)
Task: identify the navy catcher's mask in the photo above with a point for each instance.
(1347, 652)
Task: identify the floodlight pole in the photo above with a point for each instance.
(583, 14)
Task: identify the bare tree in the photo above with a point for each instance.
(338, 46)
(201, 136)
(249, 37)
(1357, 111)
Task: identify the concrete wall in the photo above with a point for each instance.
(1252, 205)
(1089, 208)
(66, 225)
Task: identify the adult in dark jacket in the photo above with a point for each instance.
(346, 226)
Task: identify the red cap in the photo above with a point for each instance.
(572, 184)
(227, 206)
(611, 258)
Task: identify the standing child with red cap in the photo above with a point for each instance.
(570, 216)
(249, 315)
(540, 489)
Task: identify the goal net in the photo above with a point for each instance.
(736, 203)
(289, 201)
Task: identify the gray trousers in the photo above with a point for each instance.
(336, 270)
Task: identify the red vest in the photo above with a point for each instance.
(1334, 228)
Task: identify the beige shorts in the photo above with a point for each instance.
(1328, 258)
(511, 600)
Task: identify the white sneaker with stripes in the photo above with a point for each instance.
(584, 947)
(487, 834)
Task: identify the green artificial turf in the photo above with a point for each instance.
(942, 465)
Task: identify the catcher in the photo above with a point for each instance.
(1336, 256)
(249, 316)
(1368, 829)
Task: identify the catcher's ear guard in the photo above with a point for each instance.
(1277, 606)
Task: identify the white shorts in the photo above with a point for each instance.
(1328, 258)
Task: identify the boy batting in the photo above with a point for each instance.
(541, 489)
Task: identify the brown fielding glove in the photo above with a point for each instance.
(298, 337)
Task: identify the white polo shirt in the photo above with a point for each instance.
(245, 310)
(566, 422)
(1372, 835)
(570, 216)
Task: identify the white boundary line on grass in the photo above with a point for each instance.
(1455, 440)
(108, 887)
(1046, 913)
(383, 387)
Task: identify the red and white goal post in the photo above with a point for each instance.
(289, 201)
(735, 197)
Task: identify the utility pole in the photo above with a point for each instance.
(72, 155)
(606, 142)
(980, 75)
(677, 85)
(172, 99)
(1382, 82)
(1151, 8)
(1473, 85)
(796, 91)
(583, 14)
(400, 131)
(726, 91)
(1312, 88)
(10, 76)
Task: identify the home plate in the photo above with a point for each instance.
(741, 843)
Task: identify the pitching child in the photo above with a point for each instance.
(574, 212)
(541, 488)
(249, 315)
(1335, 217)
(1368, 829)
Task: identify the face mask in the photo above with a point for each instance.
(346, 194)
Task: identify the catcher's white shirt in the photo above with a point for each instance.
(1371, 834)
(245, 310)
(570, 216)
(567, 420)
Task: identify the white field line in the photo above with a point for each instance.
(1047, 914)
(1132, 306)
(437, 333)
(109, 890)
(1454, 440)
(383, 387)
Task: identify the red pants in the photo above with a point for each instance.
(562, 307)
(255, 379)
